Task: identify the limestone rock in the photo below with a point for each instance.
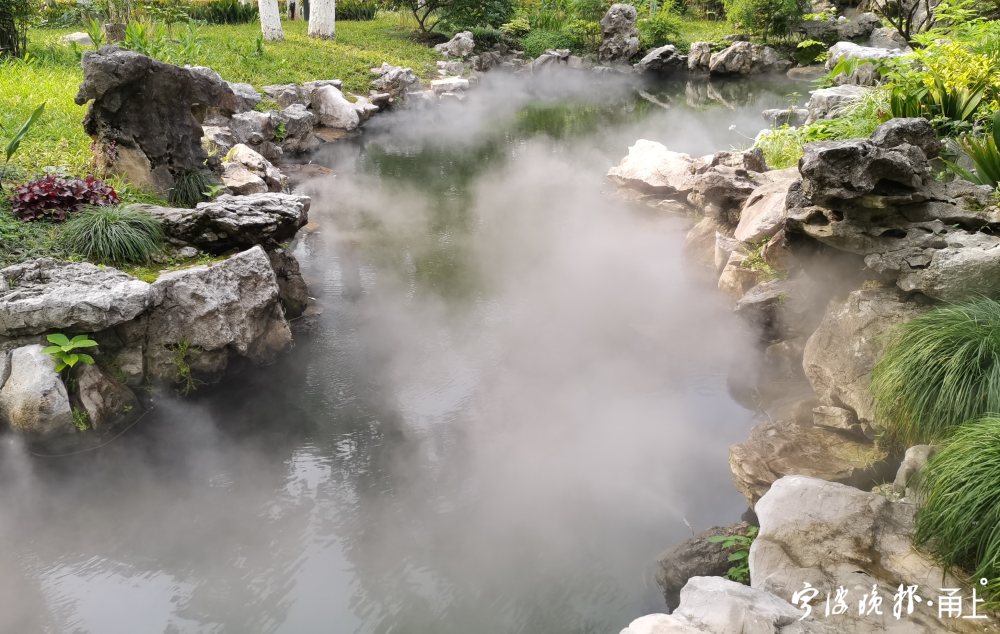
(620, 35)
(292, 289)
(737, 277)
(246, 97)
(242, 156)
(287, 94)
(858, 27)
(241, 181)
(33, 399)
(793, 117)
(217, 139)
(651, 168)
(43, 295)
(253, 128)
(449, 84)
(235, 221)
(102, 397)
(694, 557)
(836, 171)
(888, 37)
(699, 56)
(734, 60)
(550, 58)
(333, 109)
(664, 60)
(299, 123)
(824, 102)
(394, 80)
(914, 131)
(763, 214)
(460, 46)
(700, 244)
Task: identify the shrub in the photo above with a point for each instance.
(486, 37)
(662, 28)
(766, 18)
(938, 371)
(231, 12)
(517, 28)
(14, 18)
(782, 147)
(539, 41)
(357, 9)
(65, 351)
(591, 10)
(959, 497)
(116, 235)
(52, 197)
(469, 13)
(984, 152)
(585, 36)
(808, 51)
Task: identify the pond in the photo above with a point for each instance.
(514, 398)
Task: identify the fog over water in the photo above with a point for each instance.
(515, 397)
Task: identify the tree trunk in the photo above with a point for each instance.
(270, 20)
(322, 19)
(294, 10)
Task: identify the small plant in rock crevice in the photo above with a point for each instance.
(185, 380)
(189, 188)
(66, 351)
(81, 420)
(739, 547)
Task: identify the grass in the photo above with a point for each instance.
(959, 516)
(938, 371)
(116, 235)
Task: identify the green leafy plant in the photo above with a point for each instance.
(357, 10)
(942, 104)
(81, 420)
(95, 31)
(15, 15)
(189, 188)
(518, 27)
(539, 41)
(185, 379)
(15, 141)
(984, 152)
(65, 350)
(938, 371)
(767, 18)
(661, 28)
(116, 235)
(227, 12)
(809, 51)
(739, 545)
(959, 502)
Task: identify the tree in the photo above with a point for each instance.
(460, 13)
(765, 17)
(323, 19)
(270, 20)
(909, 17)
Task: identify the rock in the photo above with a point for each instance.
(394, 80)
(78, 37)
(734, 60)
(251, 161)
(889, 38)
(449, 84)
(839, 419)
(651, 168)
(310, 87)
(694, 557)
(840, 171)
(699, 56)
(143, 116)
(333, 109)
(724, 246)
(241, 181)
(203, 316)
(4, 366)
(751, 160)
(104, 399)
(915, 131)
(968, 266)
(664, 60)
(824, 102)
(446, 69)
(720, 190)
(823, 30)
(129, 361)
(737, 277)
(775, 309)
(914, 461)
(865, 74)
(831, 535)
(299, 123)
(235, 221)
(793, 117)
(292, 289)
(253, 128)
(217, 140)
(33, 399)
(620, 35)
(763, 214)
(700, 244)
(859, 27)
(287, 94)
(767, 60)
(551, 57)
(246, 97)
(460, 46)
(840, 355)
(44, 295)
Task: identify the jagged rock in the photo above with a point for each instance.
(720, 190)
(840, 374)
(663, 60)
(699, 56)
(734, 60)
(241, 181)
(246, 97)
(204, 316)
(737, 277)
(793, 117)
(825, 102)
(822, 30)
(967, 266)
(242, 156)
(460, 46)
(253, 128)
(700, 244)
(145, 114)
(333, 109)
(287, 94)
(33, 399)
(218, 140)
(831, 535)
(651, 168)
(915, 131)
(551, 57)
(446, 69)
(888, 37)
(44, 295)
(449, 84)
(129, 361)
(235, 221)
(764, 212)
(299, 123)
(79, 38)
(724, 246)
(776, 309)
(839, 419)
(310, 87)
(751, 160)
(292, 289)
(694, 557)
(104, 399)
(620, 35)
(858, 27)
(865, 74)
(838, 171)
(394, 80)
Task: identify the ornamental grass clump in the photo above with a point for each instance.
(938, 371)
(959, 495)
(116, 235)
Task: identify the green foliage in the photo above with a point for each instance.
(938, 371)
(984, 152)
(65, 351)
(739, 545)
(15, 140)
(184, 378)
(959, 495)
(81, 420)
(766, 18)
(661, 28)
(14, 18)
(470, 13)
(951, 110)
(585, 35)
(357, 9)
(189, 188)
(782, 147)
(486, 37)
(590, 10)
(540, 40)
(517, 28)
(116, 235)
(280, 132)
(233, 12)
(809, 51)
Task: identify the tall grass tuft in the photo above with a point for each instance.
(116, 235)
(190, 188)
(938, 371)
(959, 495)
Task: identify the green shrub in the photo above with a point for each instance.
(357, 9)
(984, 152)
(539, 41)
(586, 36)
(662, 28)
(959, 496)
(231, 12)
(116, 235)
(809, 51)
(516, 28)
(739, 547)
(486, 37)
(590, 10)
(938, 371)
(190, 188)
(782, 147)
(767, 18)
(66, 351)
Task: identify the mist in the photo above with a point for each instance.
(514, 397)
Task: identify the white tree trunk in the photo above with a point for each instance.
(270, 20)
(322, 18)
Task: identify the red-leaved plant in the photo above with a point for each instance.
(52, 197)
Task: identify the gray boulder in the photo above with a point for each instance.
(734, 60)
(79, 38)
(44, 295)
(793, 117)
(858, 27)
(235, 221)
(333, 109)
(915, 131)
(550, 58)
(103, 398)
(694, 557)
(287, 94)
(763, 214)
(699, 57)
(205, 317)
(838, 171)
(651, 168)
(664, 60)
(888, 37)
(292, 289)
(33, 399)
(253, 128)
(824, 102)
(299, 123)
(217, 140)
(620, 35)
(461, 46)
(394, 80)
(246, 97)
(242, 158)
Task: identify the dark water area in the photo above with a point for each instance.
(514, 398)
